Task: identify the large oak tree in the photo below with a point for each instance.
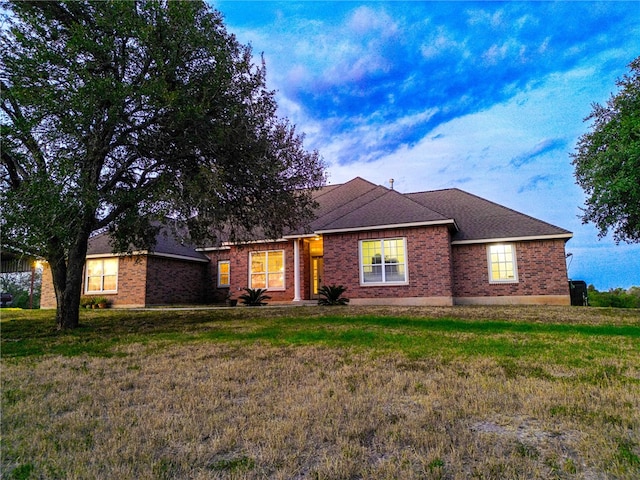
(607, 162)
(118, 115)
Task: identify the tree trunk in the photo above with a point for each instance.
(67, 282)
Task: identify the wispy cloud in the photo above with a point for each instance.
(536, 182)
(545, 146)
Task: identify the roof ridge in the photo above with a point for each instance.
(448, 217)
(349, 212)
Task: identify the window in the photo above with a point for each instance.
(266, 269)
(502, 263)
(224, 273)
(102, 275)
(383, 261)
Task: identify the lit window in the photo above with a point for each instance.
(383, 261)
(224, 273)
(502, 263)
(102, 275)
(266, 269)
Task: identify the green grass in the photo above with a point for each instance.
(103, 333)
(310, 392)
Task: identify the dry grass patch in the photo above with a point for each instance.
(286, 402)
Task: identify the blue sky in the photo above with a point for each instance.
(489, 97)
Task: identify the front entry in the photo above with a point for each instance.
(316, 276)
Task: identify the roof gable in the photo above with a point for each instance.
(360, 204)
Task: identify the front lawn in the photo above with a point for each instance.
(323, 393)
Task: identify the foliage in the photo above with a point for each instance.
(255, 297)
(332, 295)
(607, 162)
(616, 297)
(118, 115)
(87, 301)
(19, 286)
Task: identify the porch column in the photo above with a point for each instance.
(296, 270)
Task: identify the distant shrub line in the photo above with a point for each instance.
(616, 297)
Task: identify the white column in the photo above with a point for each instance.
(296, 270)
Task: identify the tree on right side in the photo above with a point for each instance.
(607, 162)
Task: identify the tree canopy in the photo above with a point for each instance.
(119, 115)
(607, 162)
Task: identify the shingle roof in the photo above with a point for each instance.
(166, 245)
(360, 204)
(480, 219)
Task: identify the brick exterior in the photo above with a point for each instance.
(239, 270)
(428, 263)
(436, 269)
(47, 294)
(541, 270)
(147, 280)
(174, 281)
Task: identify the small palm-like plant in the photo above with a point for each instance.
(254, 297)
(332, 295)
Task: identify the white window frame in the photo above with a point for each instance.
(228, 263)
(513, 261)
(383, 264)
(86, 275)
(266, 271)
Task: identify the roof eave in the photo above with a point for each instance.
(558, 236)
(150, 254)
(389, 226)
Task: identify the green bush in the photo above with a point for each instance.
(254, 297)
(616, 298)
(332, 295)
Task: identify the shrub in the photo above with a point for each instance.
(87, 302)
(616, 298)
(254, 297)
(332, 295)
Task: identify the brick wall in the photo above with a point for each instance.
(173, 281)
(213, 293)
(541, 270)
(428, 263)
(47, 293)
(239, 270)
(144, 280)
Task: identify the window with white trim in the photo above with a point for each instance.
(266, 269)
(101, 275)
(502, 263)
(383, 261)
(224, 273)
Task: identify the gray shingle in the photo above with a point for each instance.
(480, 219)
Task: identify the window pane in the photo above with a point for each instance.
(258, 263)
(394, 273)
(109, 282)
(258, 280)
(111, 266)
(275, 262)
(224, 268)
(502, 258)
(94, 267)
(374, 274)
(94, 284)
(276, 280)
(371, 252)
